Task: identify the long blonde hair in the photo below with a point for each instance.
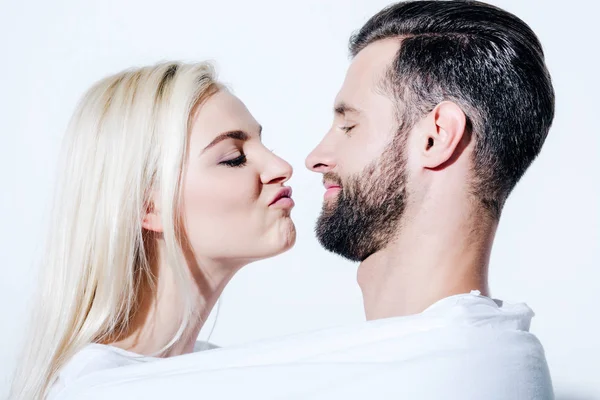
(127, 138)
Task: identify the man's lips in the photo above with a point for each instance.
(331, 189)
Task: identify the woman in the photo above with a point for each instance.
(165, 192)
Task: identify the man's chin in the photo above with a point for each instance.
(334, 238)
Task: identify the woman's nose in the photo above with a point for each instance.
(277, 170)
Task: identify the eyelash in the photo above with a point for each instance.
(347, 129)
(236, 162)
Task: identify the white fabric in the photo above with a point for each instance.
(99, 357)
(463, 347)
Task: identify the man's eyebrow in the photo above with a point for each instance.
(237, 135)
(343, 109)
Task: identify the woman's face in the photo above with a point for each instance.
(235, 205)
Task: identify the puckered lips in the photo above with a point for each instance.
(283, 198)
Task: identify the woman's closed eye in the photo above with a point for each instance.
(238, 161)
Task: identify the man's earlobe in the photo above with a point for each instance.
(445, 127)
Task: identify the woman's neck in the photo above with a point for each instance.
(159, 316)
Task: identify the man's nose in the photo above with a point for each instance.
(321, 159)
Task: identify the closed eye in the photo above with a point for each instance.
(235, 162)
(347, 129)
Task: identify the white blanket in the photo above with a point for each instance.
(463, 347)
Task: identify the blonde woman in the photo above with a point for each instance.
(165, 192)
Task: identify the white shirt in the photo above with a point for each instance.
(98, 357)
(462, 347)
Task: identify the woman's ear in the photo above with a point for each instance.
(152, 220)
(444, 130)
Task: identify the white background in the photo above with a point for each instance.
(286, 60)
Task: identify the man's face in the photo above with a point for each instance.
(362, 160)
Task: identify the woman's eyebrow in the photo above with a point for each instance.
(237, 135)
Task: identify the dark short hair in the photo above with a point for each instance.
(484, 59)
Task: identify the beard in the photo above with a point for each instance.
(365, 216)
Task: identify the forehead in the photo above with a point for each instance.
(367, 69)
(222, 112)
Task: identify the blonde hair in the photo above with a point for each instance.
(127, 138)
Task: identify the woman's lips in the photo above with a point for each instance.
(283, 199)
(284, 202)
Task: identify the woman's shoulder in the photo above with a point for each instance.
(202, 346)
(94, 358)
(99, 357)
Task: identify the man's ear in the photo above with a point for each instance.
(152, 221)
(443, 132)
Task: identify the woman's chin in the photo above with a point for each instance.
(289, 239)
(283, 238)
(278, 241)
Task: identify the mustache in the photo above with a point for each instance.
(332, 177)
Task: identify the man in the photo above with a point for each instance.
(444, 107)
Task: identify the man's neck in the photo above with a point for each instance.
(427, 262)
